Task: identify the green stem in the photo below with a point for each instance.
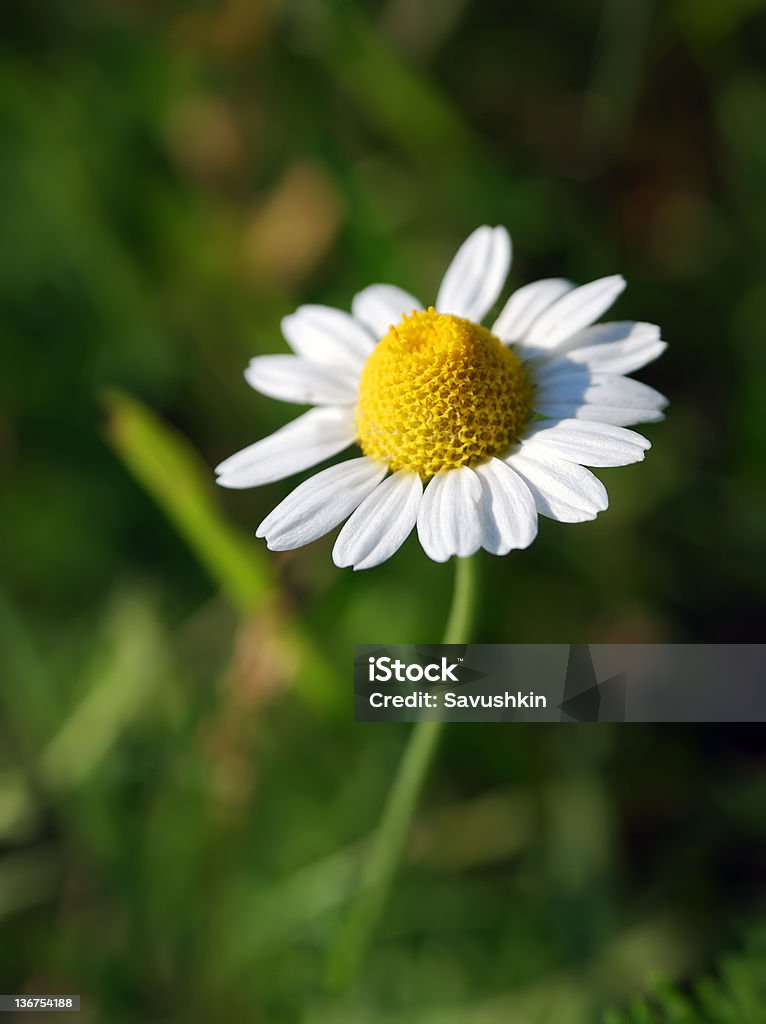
(460, 619)
(394, 825)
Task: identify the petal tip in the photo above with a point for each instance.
(338, 560)
(230, 482)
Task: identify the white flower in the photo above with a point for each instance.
(466, 432)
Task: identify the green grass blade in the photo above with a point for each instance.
(169, 469)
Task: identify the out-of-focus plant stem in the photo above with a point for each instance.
(390, 837)
(169, 469)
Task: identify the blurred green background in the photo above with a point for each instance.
(183, 797)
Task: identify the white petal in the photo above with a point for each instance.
(448, 520)
(293, 379)
(327, 335)
(476, 275)
(605, 397)
(318, 504)
(573, 311)
(589, 444)
(381, 524)
(562, 490)
(620, 416)
(526, 305)
(382, 306)
(555, 374)
(506, 510)
(615, 347)
(311, 438)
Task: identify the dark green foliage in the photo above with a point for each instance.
(734, 994)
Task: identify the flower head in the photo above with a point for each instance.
(466, 432)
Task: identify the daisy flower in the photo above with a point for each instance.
(467, 432)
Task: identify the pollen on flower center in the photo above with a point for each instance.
(439, 392)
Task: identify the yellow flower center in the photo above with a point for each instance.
(439, 392)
